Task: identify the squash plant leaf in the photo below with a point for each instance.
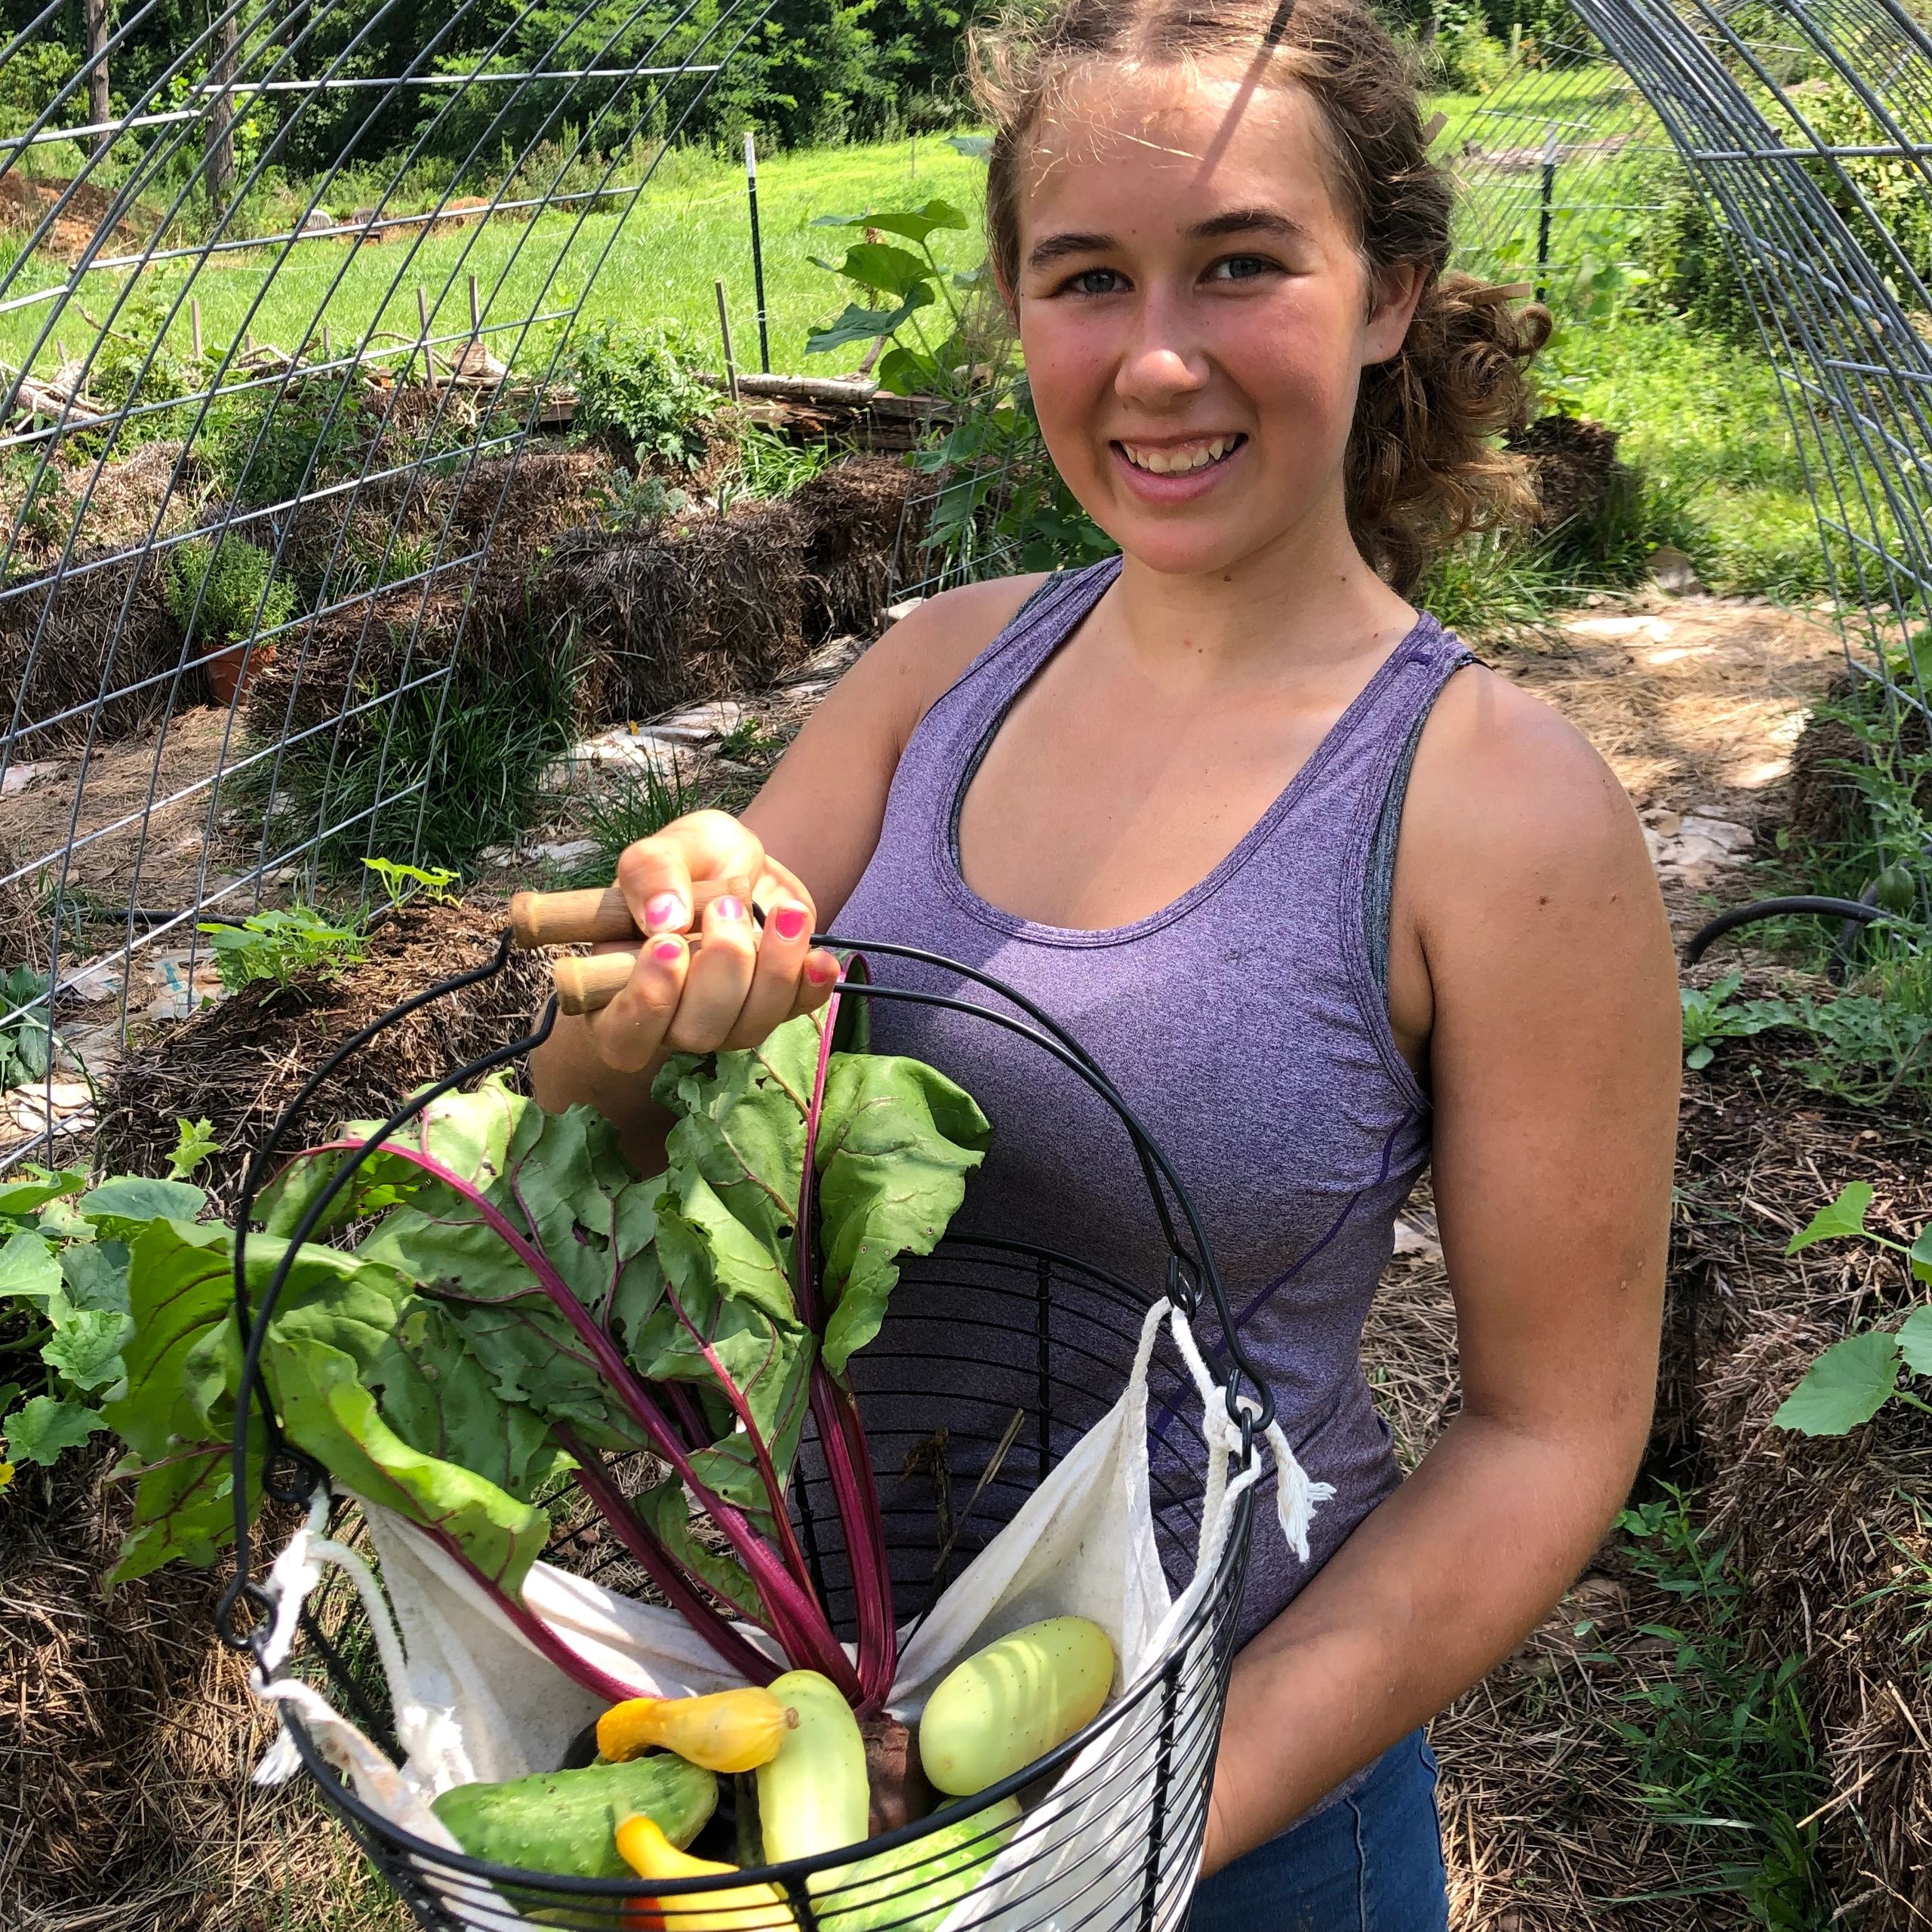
(1848, 1385)
(1845, 1215)
(44, 1426)
(1921, 1255)
(1915, 1339)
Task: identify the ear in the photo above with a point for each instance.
(1397, 291)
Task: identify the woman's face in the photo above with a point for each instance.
(1194, 314)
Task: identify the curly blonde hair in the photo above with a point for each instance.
(1423, 465)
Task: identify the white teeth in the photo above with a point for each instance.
(1169, 463)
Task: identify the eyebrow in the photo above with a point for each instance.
(1051, 248)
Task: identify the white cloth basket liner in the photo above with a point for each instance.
(473, 1699)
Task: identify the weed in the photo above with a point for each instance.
(194, 1142)
(277, 945)
(1872, 1046)
(1719, 1742)
(766, 465)
(1854, 1379)
(748, 743)
(225, 590)
(633, 506)
(618, 811)
(25, 1039)
(633, 383)
(266, 446)
(369, 564)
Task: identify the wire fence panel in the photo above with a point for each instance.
(273, 450)
(1806, 127)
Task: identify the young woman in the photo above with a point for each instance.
(1327, 900)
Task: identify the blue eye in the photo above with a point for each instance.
(1240, 268)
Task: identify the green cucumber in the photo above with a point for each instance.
(813, 1796)
(566, 1822)
(1010, 1703)
(912, 1889)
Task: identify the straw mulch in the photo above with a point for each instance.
(854, 510)
(124, 1802)
(1574, 469)
(238, 1063)
(81, 642)
(1546, 1828)
(691, 608)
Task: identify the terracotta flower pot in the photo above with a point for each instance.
(224, 670)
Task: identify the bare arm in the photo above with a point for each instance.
(796, 855)
(1553, 1053)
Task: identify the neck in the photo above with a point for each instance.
(1308, 601)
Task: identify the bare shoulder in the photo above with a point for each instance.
(924, 654)
(1500, 774)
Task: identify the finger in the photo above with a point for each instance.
(631, 1029)
(659, 875)
(817, 981)
(781, 949)
(719, 977)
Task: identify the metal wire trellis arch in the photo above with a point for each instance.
(1801, 128)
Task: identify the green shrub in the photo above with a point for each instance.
(634, 383)
(225, 590)
(1689, 266)
(1465, 57)
(1896, 189)
(265, 446)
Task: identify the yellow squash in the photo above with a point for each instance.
(650, 1854)
(730, 1730)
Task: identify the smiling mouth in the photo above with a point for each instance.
(1178, 458)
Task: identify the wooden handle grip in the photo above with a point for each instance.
(596, 916)
(588, 984)
(570, 918)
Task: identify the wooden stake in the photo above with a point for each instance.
(475, 310)
(724, 330)
(194, 325)
(423, 325)
(328, 354)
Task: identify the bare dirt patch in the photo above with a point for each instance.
(25, 203)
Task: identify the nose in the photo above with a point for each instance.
(1162, 361)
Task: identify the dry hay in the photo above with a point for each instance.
(25, 203)
(238, 1063)
(1827, 807)
(1545, 1828)
(853, 510)
(1832, 1537)
(692, 608)
(1572, 468)
(124, 1802)
(70, 641)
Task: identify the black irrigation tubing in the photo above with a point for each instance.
(1855, 911)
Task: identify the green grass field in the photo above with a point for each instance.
(653, 263)
(1702, 417)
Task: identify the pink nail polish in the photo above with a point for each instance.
(729, 908)
(666, 909)
(668, 952)
(789, 922)
(821, 972)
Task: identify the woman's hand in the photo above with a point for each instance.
(706, 977)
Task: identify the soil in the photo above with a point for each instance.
(25, 201)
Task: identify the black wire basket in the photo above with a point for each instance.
(1112, 1819)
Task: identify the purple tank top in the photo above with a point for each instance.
(1247, 1025)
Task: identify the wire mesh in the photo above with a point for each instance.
(346, 423)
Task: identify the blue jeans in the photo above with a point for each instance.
(1371, 1862)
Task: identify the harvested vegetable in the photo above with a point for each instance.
(730, 1730)
(812, 1796)
(732, 1909)
(566, 1822)
(1013, 1701)
(911, 1888)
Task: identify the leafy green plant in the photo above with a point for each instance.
(635, 383)
(265, 445)
(402, 883)
(226, 590)
(195, 1144)
(25, 1042)
(1709, 1016)
(766, 465)
(748, 741)
(64, 1255)
(633, 504)
(1853, 1380)
(1720, 1742)
(278, 945)
(1870, 1046)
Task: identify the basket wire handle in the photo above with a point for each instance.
(592, 918)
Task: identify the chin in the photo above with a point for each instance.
(1198, 545)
